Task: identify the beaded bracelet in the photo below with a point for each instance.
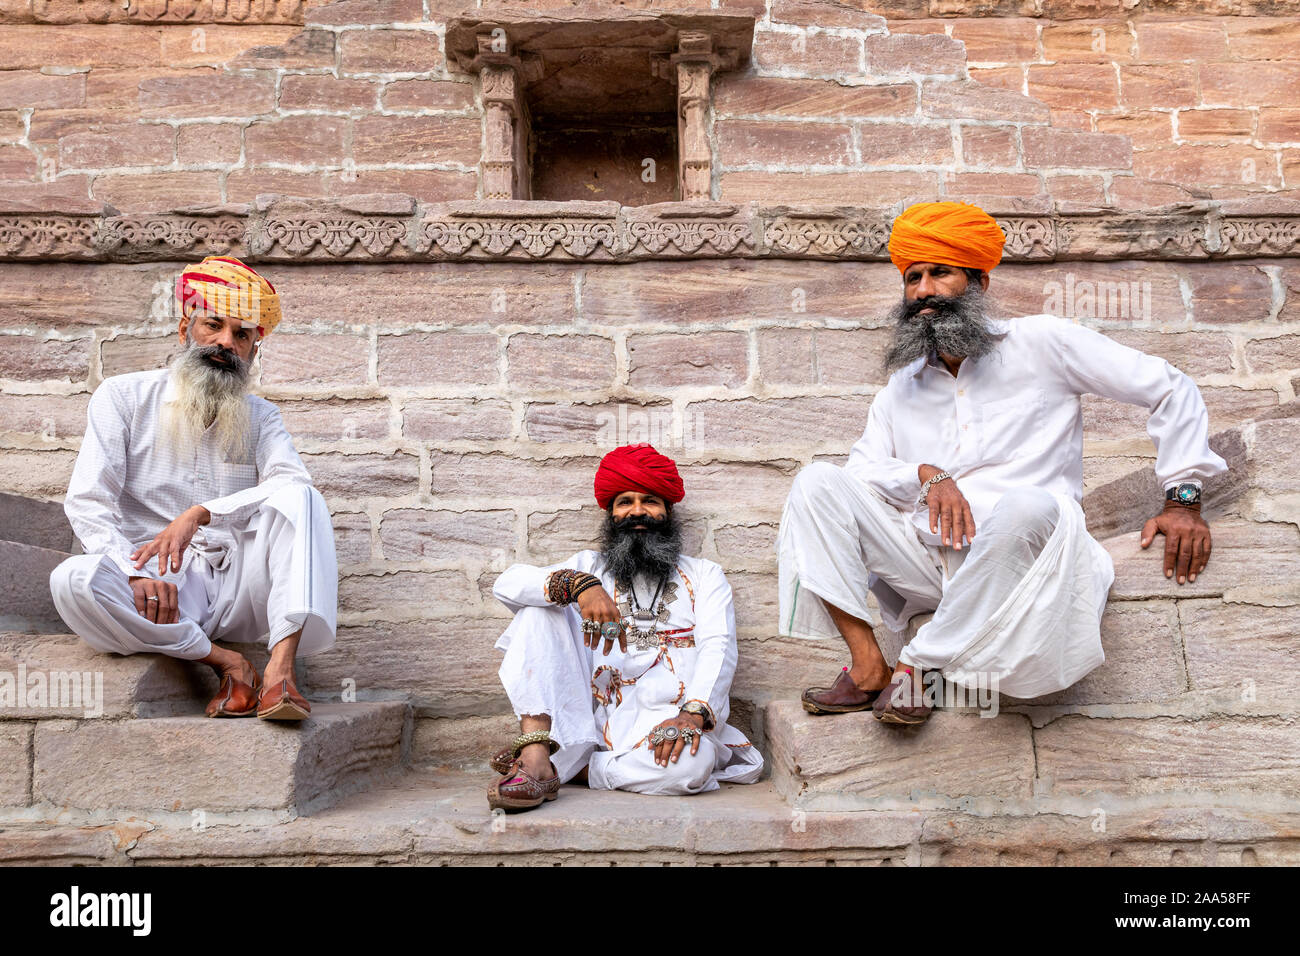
(563, 586)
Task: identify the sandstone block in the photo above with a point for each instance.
(456, 419)
(1168, 755)
(439, 358)
(15, 764)
(372, 474)
(704, 358)
(860, 762)
(410, 534)
(184, 763)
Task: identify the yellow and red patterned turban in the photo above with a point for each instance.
(220, 285)
(954, 233)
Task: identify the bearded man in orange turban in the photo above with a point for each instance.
(979, 427)
(196, 515)
(619, 661)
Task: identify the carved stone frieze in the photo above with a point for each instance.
(393, 228)
(262, 12)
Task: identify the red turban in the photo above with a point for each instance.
(954, 233)
(637, 468)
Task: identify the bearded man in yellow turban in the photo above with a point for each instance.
(196, 515)
(962, 496)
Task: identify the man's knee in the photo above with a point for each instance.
(814, 482)
(296, 499)
(1025, 511)
(71, 581)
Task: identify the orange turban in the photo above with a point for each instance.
(954, 233)
(220, 285)
(637, 468)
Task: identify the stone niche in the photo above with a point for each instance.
(598, 104)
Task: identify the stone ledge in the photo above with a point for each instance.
(395, 228)
(256, 12)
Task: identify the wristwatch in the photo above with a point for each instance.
(699, 710)
(1184, 493)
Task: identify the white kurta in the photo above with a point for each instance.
(263, 568)
(1008, 428)
(602, 708)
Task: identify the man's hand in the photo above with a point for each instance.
(595, 604)
(1187, 540)
(670, 750)
(172, 540)
(155, 600)
(949, 511)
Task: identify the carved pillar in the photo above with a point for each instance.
(504, 165)
(694, 62)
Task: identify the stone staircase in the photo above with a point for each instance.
(1181, 748)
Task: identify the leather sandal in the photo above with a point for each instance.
(234, 698)
(842, 697)
(282, 702)
(520, 790)
(503, 761)
(903, 701)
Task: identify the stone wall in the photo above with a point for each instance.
(452, 373)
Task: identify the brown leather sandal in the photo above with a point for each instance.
(903, 701)
(520, 790)
(503, 760)
(842, 697)
(234, 698)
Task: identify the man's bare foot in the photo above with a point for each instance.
(225, 661)
(872, 677)
(280, 667)
(536, 759)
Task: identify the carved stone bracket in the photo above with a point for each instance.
(692, 66)
(388, 228)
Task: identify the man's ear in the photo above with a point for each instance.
(182, 328)
(984, 281)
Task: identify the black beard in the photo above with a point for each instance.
(958, 327)
(652, 552)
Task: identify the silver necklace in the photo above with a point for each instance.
(642, 623)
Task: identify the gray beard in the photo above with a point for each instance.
(207, 396)
(651, 553)
(958, 326)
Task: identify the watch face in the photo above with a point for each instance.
(1187, 493)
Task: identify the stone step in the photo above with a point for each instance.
(443, 818)
(25, 601)
(194, 765)
(35, 522)
(60, 676)
(962, 759)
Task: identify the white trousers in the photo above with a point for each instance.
(280, 575)
(838, 540)
(547, 670)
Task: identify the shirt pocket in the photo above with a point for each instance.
(1012, 428)
(231, 478)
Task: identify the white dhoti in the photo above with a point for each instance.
(547, 670)
(270, 579)
(1021, 606)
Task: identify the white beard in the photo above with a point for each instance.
(208, 397)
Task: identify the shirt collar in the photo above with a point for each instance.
(997, 328)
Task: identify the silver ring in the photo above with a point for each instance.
(609, 630)
(151, 598)
(590, 627)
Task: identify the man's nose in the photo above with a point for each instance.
(925, 287)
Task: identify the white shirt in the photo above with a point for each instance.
(128, 483)
(701, 608)
(1012, 418)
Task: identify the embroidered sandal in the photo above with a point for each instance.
(503, 761)
(520, 790)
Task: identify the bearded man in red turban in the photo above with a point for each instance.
(619, 660)
(979, 427)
